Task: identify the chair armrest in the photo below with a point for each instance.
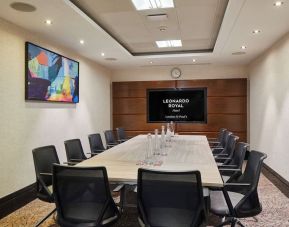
(110, 145)
(221, 158)
(237, 184)
(122, 140)
(46, 174)
(70, 163)
(93, 153)
(76, 160)
(227, 166)
(235, 170)
(118, 188)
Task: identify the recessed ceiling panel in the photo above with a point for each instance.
(195, 22)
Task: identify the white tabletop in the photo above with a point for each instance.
(186, 153)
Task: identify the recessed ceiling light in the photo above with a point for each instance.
(243, 47)
(151, 62)
(22, 7)
(169, 43)
(278, 3)
(152, 4)
(194, 60)
(81, 41)
(256, 31)
(102, 54)
(48, 22)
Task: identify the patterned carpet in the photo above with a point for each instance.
(275, 212)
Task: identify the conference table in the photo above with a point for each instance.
(183, 153)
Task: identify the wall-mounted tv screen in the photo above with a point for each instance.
(50, 76)
(180, 105)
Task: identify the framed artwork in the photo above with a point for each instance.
(50, 76)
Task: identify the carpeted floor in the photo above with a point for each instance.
(275, 212)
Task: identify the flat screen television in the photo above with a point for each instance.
(50, 76)
(179, 105)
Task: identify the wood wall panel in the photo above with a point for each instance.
(220, 87)
(129, 105)
(138, 88)
(226, 105)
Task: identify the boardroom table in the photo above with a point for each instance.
(183, 153)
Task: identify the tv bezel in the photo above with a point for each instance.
(26, 76)
(204, 89)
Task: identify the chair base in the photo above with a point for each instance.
(44, 219)
(231, 221)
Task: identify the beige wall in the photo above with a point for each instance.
(189, 72)
(26, 125)
(269, 106)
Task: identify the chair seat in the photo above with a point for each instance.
(218, 202)
(170, 217)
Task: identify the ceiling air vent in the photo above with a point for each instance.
(157, 17)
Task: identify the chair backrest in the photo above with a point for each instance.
(239, 155)
(170, 198)
(109, 137)
(95, 143)
(121, 135)
(82, 195)
(43, 158)
(230, 147)
(225, 137)
(221, 134)
(250, 204)
(74, 150)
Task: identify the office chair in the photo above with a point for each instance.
(43, 158)
(239, 198)
(109, 139)
(95, 143)
(225, 155)
(82, 197)
(224, 140)
(170, 198)
(74, 151)
(217, 142)
(233, 169)
(121, 135)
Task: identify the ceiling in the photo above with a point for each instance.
(70, 25)
(196, 23)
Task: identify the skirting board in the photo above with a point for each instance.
(281, 183)
(16, 200)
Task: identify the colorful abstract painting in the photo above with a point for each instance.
(50, 76)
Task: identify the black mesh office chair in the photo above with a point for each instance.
(224, 140)
(170, 199)
(95, 143)
(225, 155)
(217, 142)
(109, 139)
(82, 197)
(239, 198)
(121, 135)
(74, 151)
(233, 169)
(43, 158)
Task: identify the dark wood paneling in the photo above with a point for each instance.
(138, 88)
(217, 121)
(220, 87)
(129, 106)
(227, 106)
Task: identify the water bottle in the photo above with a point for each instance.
(168, 133)
(149, 149)
(163, 139)
(172, 128)
(156, 142)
